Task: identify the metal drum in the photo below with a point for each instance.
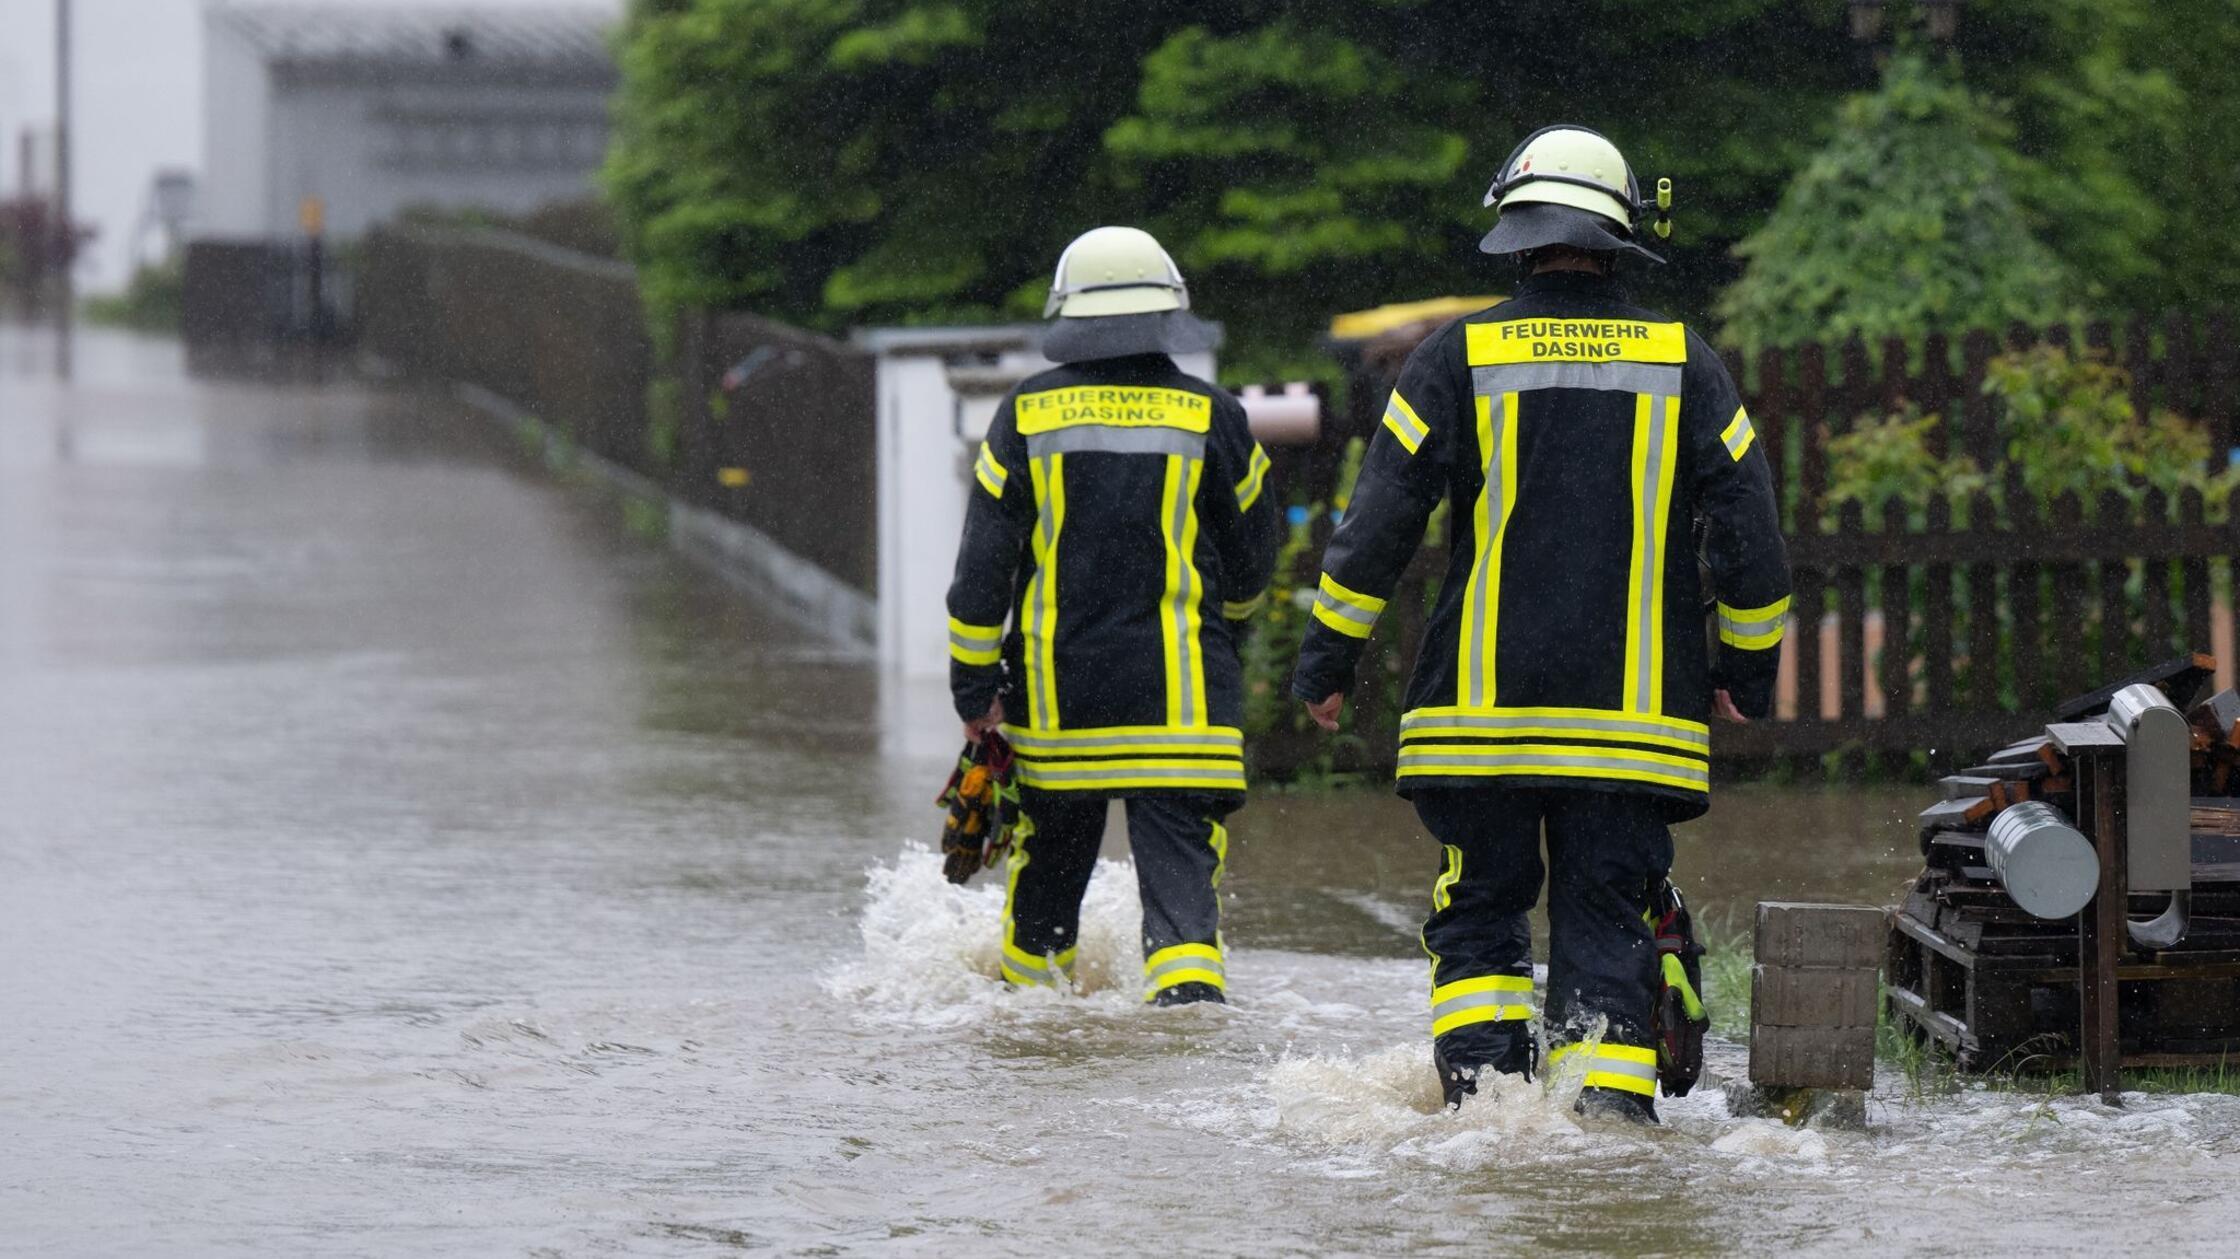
(2046, 864)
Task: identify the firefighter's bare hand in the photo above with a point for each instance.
(1722, 706)
(1325, 713)
(989, 721)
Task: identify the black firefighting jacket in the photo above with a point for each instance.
(1579, 440)
(1120, 528)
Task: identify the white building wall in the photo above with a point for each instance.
(236, 139)
(371, 151)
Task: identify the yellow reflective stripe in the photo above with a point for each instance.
(1555, 760)
(1217, 838)
(1442, 892)
(1183, 964)
(1629, 1068)
(1482, 983)
(1553, 723)
(975, 644)
(1115, 406)
(1575, 341)
(1239, 610)
(1405, 424)
(1255, 479)
(1031, 743)
(1173, 951)
(1654, 457)
(1483, 999)
(1013, 867)
(1673, 725)
(1332, 587)
(1481, 606)
(1754, 629)
(1347, 611)
(1040, 607)
(991, 472)
(1486, 1013)
(1739, 434)
(1181, 620)
(1136, 772)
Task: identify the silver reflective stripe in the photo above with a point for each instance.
(1026, 742)
(1658, 378)
(1764, 625)
(1493, 756)
(1618, 726)
(1476, 1000)
(1345, 611)
(1155, 978)
(1223, 770)
(1619, 1066)
(1037, 971)
(1113, 440)
(1415, 429)
(972, 642)
(1652, 556)
(990, 468)
(1185, 589)
(1738, 435)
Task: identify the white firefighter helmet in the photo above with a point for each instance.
(1115, 271)
(1570, 185)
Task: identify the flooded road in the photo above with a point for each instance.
(400, 857)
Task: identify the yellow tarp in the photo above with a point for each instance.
(1360, 325)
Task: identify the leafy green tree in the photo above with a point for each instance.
(1904, 223)
(834, 162)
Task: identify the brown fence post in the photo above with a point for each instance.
(2218, 354)
(1936, 615)
(2158, 622)
(1895, 666)
(2194, 572)
(1850, 582)
(2065, 612)
(1983, 610)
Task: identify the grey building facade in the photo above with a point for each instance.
(375, 110)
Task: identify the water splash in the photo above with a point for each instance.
(932, 951)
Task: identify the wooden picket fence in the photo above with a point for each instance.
(1934, 632)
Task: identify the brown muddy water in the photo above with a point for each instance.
(397, 857)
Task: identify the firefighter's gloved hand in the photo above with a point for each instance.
(983, 724)
(1751, 696)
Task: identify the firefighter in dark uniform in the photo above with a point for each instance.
(1120, 529)
(1563, 684)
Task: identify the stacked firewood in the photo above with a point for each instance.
(2042, 768)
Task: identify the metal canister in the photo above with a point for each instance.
(2045, 863)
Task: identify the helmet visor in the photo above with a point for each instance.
(1535, 224)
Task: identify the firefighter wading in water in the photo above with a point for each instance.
(1119, 526)
(1563, 682)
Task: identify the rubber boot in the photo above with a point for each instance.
(1189, 994)
(1617, 1104)
(1456, 1081)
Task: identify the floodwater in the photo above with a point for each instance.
(398, 856)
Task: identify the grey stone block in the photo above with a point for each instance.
(1841, 937)
(1791, 996)
(1812, 1057)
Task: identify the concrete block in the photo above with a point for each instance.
(1792, 996)
(1812, 1057)
(1840, 937)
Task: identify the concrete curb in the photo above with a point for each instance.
(738, 553)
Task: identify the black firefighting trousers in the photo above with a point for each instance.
(1180, 848)
(1605, 851)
